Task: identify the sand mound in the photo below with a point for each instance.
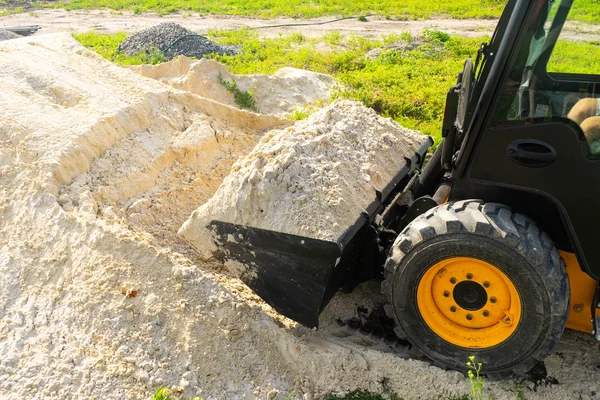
(278, 94)
(98, 296)
(95, 298)
(312, 179)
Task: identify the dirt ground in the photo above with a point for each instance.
(107, 21)
(101, 300)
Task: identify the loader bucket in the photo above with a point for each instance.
(296, 275)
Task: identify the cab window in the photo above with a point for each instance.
(556, 75)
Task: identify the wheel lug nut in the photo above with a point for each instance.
(452, 280)
(453, 309)
(486, 313)
(469, 317)
(486, 284)
(492, 299)
(469, 276)
(446, 294)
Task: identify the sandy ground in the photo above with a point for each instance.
(106, 21)
(100, 299)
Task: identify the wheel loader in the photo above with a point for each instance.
(488, 249)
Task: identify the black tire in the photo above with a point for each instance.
(513, 244)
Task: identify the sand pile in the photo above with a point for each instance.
(99, 298)
(312, 179)
(287, 90)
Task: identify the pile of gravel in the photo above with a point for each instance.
(7, 35)
(161, 36)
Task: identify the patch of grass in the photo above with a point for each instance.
(333, 37)
(409, 86)
(243, 98)
(154, 56)
(299, 115)
(108, 47)
(575, 57)
(307, 110)
(435, 35)
(165, 394)
(8, 11)
(162, 394)
(586, 10)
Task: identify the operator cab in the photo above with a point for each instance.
(531, 136)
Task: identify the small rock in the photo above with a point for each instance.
(10, 360)
(7, 35)
(455, 378)
(128, 291)
(184, 383)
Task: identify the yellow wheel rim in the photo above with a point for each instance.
(469, 302)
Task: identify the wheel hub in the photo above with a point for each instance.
(468, 302)
(470, 295)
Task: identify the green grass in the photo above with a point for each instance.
(409, 86)
(586, 10)
(243, 99)
(107, 47)
(165, 394)
(8, 11)
(575, 57)
(162, 394)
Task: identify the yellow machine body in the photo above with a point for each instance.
(583, 289)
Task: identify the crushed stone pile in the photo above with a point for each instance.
(100, 298)
(173, 40)
(7, 35)
(287, 90)
(312, 179)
